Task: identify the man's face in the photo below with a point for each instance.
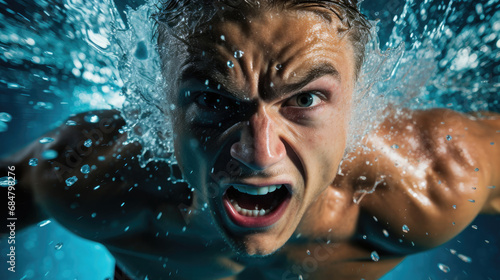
(260, 122)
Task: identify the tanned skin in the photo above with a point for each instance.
(427, 183)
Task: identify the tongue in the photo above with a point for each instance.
(247, 201)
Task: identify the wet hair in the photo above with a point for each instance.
(178, 19)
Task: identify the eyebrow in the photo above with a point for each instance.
(320, 70)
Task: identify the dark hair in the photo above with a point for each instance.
(180, 18)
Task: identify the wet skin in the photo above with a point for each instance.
(292, 133)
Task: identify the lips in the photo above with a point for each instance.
(251, 206)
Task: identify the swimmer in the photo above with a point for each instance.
(273, 193)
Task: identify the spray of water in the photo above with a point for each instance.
(438, 54)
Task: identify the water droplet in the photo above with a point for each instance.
(230, 64)
(127, 228)
(93, 215)
(223, 38)
(44, 223)
(96, 187)
(85, 169)
(278, 67)
(46, 140)
(375, 218)
(123, 203)
(454, 207)
(49, 154)
(472, 200)
(364, 237)
(183, 229)
(91, 118)
(7, 181)
(5, 117)
(491, 187)
(474, 226)
(395, 146)
(453, 252)
(300, 277)
(33, 162)
(492, 143)
(308, 252)
(375, 257)
(477, 169)
(448, 137)
(159, 215)
(386, 233)
(464, 258)
(71, 180)
(238, 54)
(87, 143)
(444, 268)
(406, 229)
(101, 158)
(70, 123)
(58, 246)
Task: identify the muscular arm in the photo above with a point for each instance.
(432, 172)
(99, 204)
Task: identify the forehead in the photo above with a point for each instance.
(280, 45)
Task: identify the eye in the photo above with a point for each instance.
(304, 100)
(212, 101)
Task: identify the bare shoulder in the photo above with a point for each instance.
(423, 176)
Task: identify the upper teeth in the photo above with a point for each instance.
(257, 190)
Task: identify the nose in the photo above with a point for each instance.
(260, 145)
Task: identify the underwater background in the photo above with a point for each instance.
(59, 57)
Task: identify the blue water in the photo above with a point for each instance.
(56, 61)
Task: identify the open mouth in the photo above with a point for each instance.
(252, 207)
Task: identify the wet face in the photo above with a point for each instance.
(260, 121)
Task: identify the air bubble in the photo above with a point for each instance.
(448, 137)
(46, 140)
(395, 146)
(87, 143)
(91, 118)
(58, 246)
(406, 229)
(444, 268)
(238, 54)
(5, 117)
(464, 258)
(33, 162)
(71, 180)
(49, 154)
(230, 64)
(85, 169)
(375, 257)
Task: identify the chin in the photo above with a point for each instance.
(252, 247)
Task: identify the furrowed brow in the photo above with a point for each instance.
(316, 72)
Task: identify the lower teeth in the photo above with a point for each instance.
(250, 213)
